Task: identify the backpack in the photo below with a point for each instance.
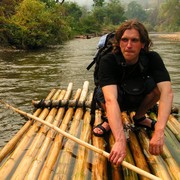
(105, 46)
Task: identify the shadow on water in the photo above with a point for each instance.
(25, 76)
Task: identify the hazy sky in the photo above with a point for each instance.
(83, 2)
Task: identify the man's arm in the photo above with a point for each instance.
(165, 105)
(118, 151)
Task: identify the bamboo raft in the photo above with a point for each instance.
(38, 151)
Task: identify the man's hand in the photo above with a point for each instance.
(157, 142)
(118, 152)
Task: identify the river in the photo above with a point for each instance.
(25, 76)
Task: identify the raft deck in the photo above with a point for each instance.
(39, 152)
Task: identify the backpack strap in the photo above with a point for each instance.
(91, 64)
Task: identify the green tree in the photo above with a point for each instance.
(169, 16)
(135, 10)
(89, 25)
(35, 26)
(114, 12)
(110, 13)
(7, 7)
(98, 3)
(73, 13)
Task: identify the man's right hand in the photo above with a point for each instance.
(118, 152)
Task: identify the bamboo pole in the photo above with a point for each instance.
(99, 163)
(81, 165)
(127, 173)
(170, 161)
(36, 165)
(173, 144)
(135, 147)
(62, 103)
(116, 170)
(175, 122)
(174, 130)
(11, 144)
(36, 143)
(57, 144)
(83, 143)
(172, 124)
(9, 166)
(155, 162)
(172, 164)
(66, 154)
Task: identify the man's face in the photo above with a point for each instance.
(131, 45)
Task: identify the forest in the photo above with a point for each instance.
(33, 24)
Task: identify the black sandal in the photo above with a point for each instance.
(105, 132)
(137, 121)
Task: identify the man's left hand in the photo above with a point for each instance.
(156, 143)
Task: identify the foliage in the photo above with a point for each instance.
(89, 25)
(115, 12)
(7, 7)
(73, 13)
(135, 10)
(111, 13)
(98, 3)
(34, 25)
(38, 23)
(169, 16)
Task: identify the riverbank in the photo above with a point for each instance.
(171, 36)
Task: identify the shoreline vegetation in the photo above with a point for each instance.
(169, 36)
(39, 24)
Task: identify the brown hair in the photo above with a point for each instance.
(132, 24)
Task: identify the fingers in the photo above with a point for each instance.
(156, 144)
(116, 158)
(155, 148)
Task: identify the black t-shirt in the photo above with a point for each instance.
(112, 72)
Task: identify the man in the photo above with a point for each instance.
(131, 45)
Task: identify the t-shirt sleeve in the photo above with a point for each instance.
(157, 68)
(106, 71)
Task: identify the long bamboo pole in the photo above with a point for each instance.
(12, 162)
(81, 165)
(116, 170)
(66, 157)
(134, 168)
(36, 165)
(57, 144)
(11, 144)
(33, 149)
(99, 162)
(156, 163)
(135, 147)
(167, 156)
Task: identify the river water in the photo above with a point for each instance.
(25, 76)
